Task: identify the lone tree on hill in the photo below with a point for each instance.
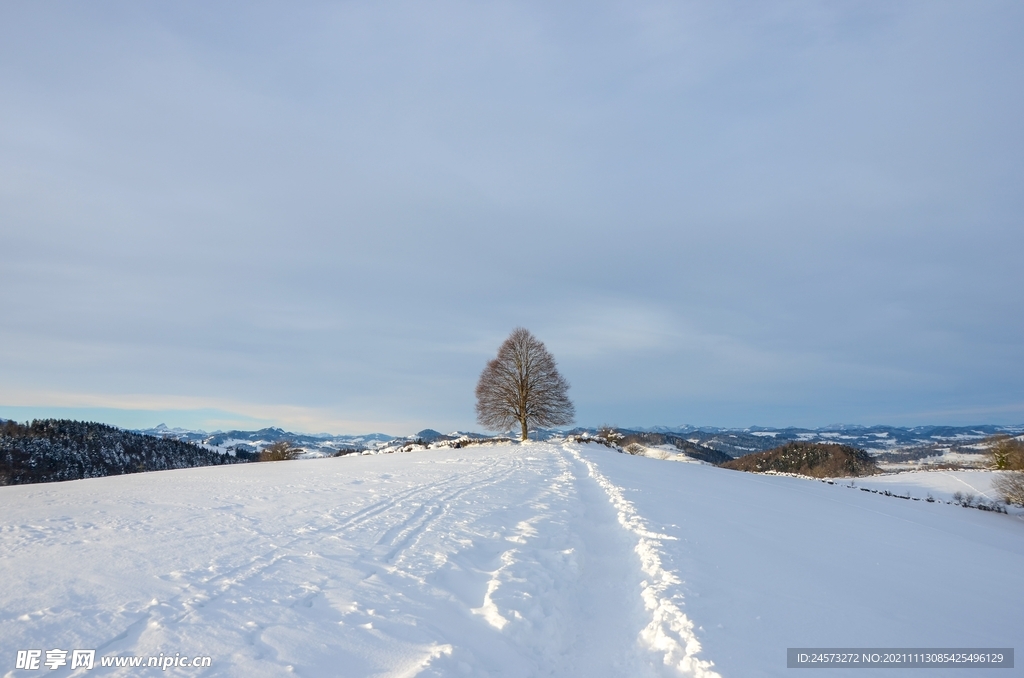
(522, 385)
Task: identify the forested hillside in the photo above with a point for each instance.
(58, 449)
(818, 460)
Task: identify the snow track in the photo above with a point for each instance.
(487, 561)
(670, 631)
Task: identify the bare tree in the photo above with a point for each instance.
(635, 448)
(1010, 486)
(522, 385)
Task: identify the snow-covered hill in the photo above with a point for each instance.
(495, 560)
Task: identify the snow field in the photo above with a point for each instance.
(769, 562)
(485, 561)
(539, 559)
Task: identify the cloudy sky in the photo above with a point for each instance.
(327, 216)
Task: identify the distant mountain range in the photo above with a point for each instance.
(318, 444)
(731, 441)
(874, 439)
(48, 450)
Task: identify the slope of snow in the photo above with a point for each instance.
(770, 562)
(510, 560)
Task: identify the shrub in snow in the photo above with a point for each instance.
(1010, 486)
(585, 438)
(610, 434)
(635, 448)
(966, 500)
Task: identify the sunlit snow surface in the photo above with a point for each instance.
(518, 560)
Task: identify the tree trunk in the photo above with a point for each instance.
(525, 432)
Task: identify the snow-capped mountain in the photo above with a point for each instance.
(874, 439)
(314, 445)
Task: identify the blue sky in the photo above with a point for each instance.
(327, 216)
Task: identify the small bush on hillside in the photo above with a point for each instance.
(282, 450)
(609, 434)
(635, 448)
(1010, 486)
(966, 500)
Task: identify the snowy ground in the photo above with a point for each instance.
(541, 559)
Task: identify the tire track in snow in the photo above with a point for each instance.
(670, 632)
(199, 594)
(469, 557)
(402, 536)
(394, 500)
